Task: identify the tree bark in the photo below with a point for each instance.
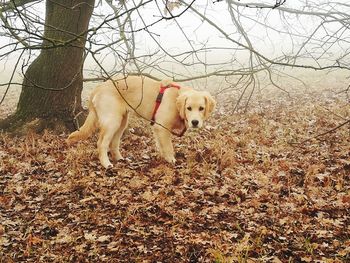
(52, 85)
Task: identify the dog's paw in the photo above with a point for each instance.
(69, 141)
(170, 159)
(110, 166)
(107, 165)
(116, 156)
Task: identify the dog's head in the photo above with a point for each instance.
(194, 107)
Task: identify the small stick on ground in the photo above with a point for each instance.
(322, 134)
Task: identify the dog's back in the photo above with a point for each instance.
(115, 98)
(135, 92)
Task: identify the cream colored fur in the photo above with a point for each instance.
(109, 109)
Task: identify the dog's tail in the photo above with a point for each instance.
(87, 129)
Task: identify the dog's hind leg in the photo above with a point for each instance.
(114, 147)
(108, 127)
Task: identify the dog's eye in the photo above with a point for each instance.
(201, 108)
(189, 108)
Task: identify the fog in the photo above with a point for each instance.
(212, 37)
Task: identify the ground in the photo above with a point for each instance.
(247, 188)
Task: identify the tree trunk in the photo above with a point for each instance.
(51, 91)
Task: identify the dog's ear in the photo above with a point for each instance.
(180, 105)
(210, 104)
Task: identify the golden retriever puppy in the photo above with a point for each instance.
(168, 106)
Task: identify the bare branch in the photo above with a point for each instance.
(12, 4)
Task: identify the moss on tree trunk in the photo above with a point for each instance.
(52, 85)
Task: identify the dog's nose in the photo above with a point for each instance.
(195, 123)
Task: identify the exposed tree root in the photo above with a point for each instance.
(17, 125)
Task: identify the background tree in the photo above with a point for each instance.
(51, 89)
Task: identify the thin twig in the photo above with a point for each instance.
(322, 134)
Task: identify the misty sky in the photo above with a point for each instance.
(265, 27)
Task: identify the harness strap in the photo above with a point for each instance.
(159, 101)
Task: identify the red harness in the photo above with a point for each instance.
(159, 101)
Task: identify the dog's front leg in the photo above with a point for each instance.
(164, 144)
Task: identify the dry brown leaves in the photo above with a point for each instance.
(240, 192)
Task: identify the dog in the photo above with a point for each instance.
(167, 105)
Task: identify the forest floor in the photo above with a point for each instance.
(244, 189)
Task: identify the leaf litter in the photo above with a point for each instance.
(241, 191)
